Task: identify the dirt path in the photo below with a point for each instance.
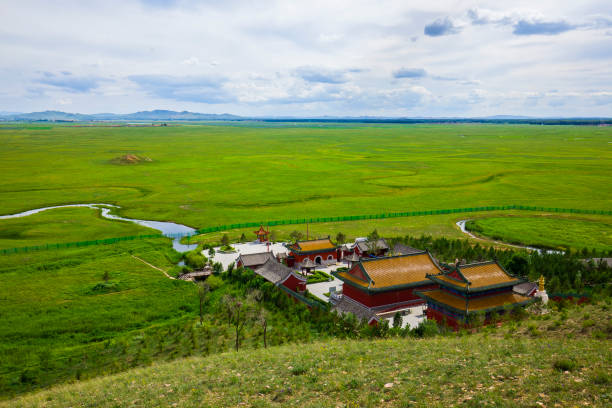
(154, 267)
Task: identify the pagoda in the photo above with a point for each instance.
(262, 234)
(467, 290)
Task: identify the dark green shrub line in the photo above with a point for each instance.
(218, 228)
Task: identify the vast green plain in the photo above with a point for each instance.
(61, 321)
(211, 174)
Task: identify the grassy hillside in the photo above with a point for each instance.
(62, 319)
(213, 174)
(559, 359)
(547, 232)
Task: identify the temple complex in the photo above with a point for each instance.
(482, 287)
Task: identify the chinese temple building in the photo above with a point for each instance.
(253, 261)
(262, 234)
(319, 251)
(483, 287)
(279, 274)
(384, 285)
(365, 248)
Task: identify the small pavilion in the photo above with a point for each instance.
(307, 266)
(352, 259)
(262, 234)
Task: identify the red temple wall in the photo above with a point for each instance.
(322, 254)
(442, 318)
(294, 284)
(386, 298)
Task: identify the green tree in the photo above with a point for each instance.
(243, 238)
(397, 320)
(240, 312)
(225, 240)
(340, 238)
(106, 276)
(296, 235)
(203, 290)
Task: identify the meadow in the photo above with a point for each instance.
(558, 359)
(211, 174)
(535, 231)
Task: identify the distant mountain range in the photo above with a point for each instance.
(154, 115)
(168, 116)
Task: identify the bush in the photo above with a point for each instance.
(564, 364)
(428, 328)
(195, 259)
(214, 282)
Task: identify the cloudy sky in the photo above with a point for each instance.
(304, 58)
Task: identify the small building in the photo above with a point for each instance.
(482, 287)
(319, 251)
(279, 274)
(389, 284)
(253, 261)
(367, 249)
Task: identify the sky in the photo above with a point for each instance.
(308, 58)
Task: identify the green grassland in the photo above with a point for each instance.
(61, 319)
(64, 225)
(204, 175)
(547, 232)
(596, 229)
(216, 174)
(559, 359)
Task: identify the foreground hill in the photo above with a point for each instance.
(559, 359)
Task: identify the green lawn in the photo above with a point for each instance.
(548, 231)
(553, 360)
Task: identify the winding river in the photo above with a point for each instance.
(461, 225)
(168, 229)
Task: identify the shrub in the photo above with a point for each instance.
(428, 328)
(214, 282)
(564, 364)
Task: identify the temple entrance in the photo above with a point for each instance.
(318, 260)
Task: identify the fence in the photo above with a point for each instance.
(306, 221)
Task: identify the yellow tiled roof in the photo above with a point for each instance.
(485, 275)
(482, 303)
(315, 245)
(393, 271)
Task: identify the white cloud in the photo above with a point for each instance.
(283, 58)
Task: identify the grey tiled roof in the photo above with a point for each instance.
(400, 249)
(348, 305)
(308, 263)
(525, 288)
(250, 260)
(364, 246)
(274, 271)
